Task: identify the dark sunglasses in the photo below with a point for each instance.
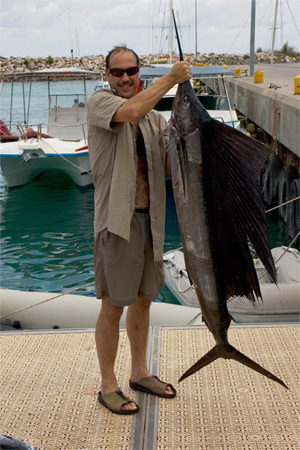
(120, 72)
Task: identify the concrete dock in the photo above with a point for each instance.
(49, 385)
(271, 105)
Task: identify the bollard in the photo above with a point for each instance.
(238, 72)
(297, 85)
(258, 77)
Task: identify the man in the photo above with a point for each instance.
(128, 143)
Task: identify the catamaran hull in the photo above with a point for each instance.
(21, 162)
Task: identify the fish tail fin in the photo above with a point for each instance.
(208, 358)
(229, 352)
(240, 357)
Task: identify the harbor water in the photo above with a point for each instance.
(47, 225)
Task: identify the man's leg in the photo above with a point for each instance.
(107, 339)
(137, 323)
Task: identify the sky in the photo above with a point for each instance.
(92, 27)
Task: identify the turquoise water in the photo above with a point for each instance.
(47, 225)
(47, 236)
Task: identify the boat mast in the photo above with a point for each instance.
(252, 38)
(274, 31)
(196, 50)
(71, 49)
(171, 33)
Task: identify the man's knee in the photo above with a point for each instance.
(142, 303)
(109, 311)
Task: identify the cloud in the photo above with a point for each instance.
(43, 27)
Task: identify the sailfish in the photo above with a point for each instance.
(215, 171)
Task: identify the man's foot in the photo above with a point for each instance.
(118, 403)
(153, 385)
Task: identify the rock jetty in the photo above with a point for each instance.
(97, 63)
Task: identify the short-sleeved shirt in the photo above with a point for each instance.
(112, 151)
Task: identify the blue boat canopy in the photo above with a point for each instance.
(60, 72)
(197, 71)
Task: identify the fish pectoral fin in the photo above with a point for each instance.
(182, 165)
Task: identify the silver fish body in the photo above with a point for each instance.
(215, 180)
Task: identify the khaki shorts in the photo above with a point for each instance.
(125, 270)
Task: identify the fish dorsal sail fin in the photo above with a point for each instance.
(240, 213)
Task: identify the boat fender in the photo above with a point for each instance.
(5, 134)
(34, 134)
(293, 210)
(4, 138)
(287, 175)
(270, 179)
(4, 131)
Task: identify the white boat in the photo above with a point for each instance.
(61, 144)
(101, 84)
(209, 83)
(281, 302)
(45, 310)
(71, 311)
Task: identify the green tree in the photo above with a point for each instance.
(49, 60)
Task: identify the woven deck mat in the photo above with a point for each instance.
(227, 405)
(49, 386)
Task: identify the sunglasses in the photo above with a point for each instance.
(120, 72)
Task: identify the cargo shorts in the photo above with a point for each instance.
(125, 270)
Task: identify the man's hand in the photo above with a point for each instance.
(181, 71)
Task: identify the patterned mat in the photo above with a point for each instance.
(49, 386)
(227, 405)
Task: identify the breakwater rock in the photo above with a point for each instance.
(97, 63)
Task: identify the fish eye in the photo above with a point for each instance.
(185, 99)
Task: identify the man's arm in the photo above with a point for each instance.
(139, 105)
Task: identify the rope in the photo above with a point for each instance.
(293, 18)
(194, 318)
(286, 249)
(283, 204)
(171, 251)
(46, 300)
(72, 164)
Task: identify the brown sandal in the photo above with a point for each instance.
(114, 402)
(152, 385)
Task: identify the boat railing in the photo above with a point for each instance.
(71, 132)
(67, 130)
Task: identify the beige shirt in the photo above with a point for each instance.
(112, 151)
